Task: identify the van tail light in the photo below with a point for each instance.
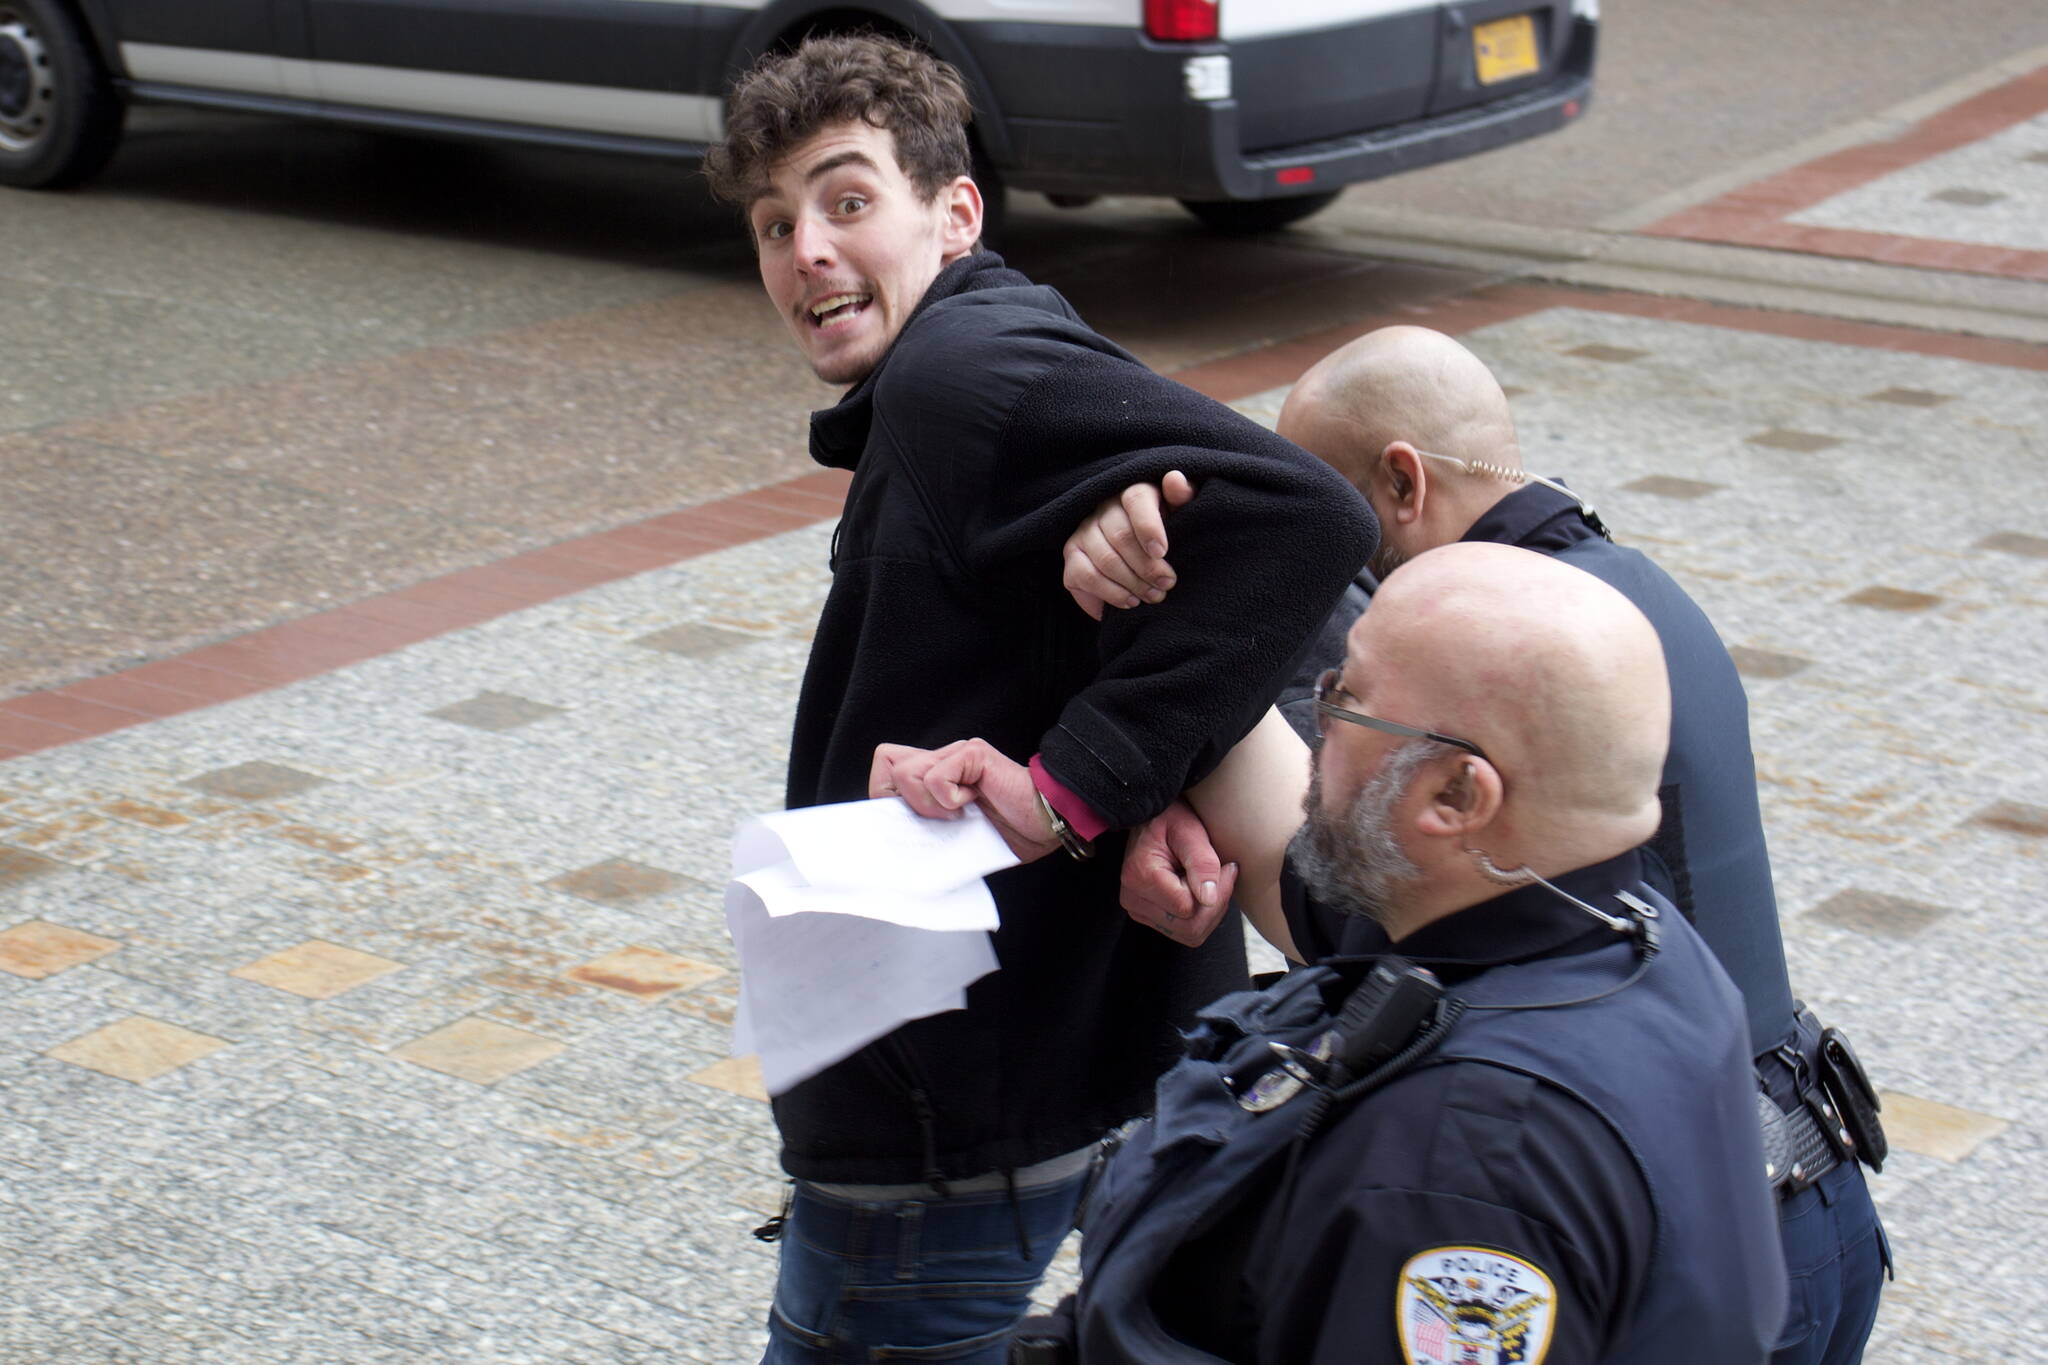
(1182, 21)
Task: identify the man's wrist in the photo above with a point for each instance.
(1074, 822)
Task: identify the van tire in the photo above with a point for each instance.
(60, 117)
(1242, 217)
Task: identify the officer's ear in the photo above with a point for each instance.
(1464, 800)
(1406, 481)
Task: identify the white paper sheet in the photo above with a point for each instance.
(850, 920)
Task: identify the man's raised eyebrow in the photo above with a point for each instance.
(833, 163)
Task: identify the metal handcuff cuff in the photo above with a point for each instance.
(1070, 840)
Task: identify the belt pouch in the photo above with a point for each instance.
(1848, 1085)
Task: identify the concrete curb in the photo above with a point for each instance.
(1860, 291)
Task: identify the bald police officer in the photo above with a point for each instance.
(1522, 1132)
(1417, 423)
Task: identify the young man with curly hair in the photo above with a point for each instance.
(938, 1169)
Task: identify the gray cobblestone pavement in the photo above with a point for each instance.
(383, 1017)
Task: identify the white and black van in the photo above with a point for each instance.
(1254, 113)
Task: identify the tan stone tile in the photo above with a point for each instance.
(398, 779)
(531, 983)
(1931, 1128)
(715, 1002)
(77, 852)
(693, 640)
(663, 1157)
(18, 865)
(1966, 196)
(1763, 663)
(1892, 599)
(740, 1075)
(1613, 355)
(142, 813)
(1872, 913)
(616, 879)
(644, 972)
(1805, 442)
(328, 870)
(31, 809)
(254, 781)
(188, 802)
(479, 1050)
(317, 970)
(62, 832)
(1669, 486)
(137, 1048)
(2014, 817)
(568, 1130)
(325, 841)
(1909, 398)
(496, 711)
(38, 949)
(2014, 543)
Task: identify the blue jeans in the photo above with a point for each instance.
(916, 1279)
(1837, 1256)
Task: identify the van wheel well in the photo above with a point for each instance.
(60, 115)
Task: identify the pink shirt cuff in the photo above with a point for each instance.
(1072, 808)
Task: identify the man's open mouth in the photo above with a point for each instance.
(837, 309)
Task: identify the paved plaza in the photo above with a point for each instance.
(364, 989)
(383, 1015)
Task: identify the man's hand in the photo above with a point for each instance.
(1117, 557)
(1173, 880)
(940, 783)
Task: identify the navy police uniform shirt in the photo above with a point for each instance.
(1494, 1188)
(1709, 855)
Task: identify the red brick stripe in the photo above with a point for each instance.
(312, 645)
(1755, 214)
(320, 643)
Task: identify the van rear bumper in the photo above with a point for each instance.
(1122, 122)
(1319, 167)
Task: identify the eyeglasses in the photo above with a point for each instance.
(1326, 685)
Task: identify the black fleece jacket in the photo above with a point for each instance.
(995, 423)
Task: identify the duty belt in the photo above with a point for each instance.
(1833, 1114)
(1796, 1150)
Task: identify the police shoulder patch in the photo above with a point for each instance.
(1474, 1306)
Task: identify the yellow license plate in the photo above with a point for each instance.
(1505, 49)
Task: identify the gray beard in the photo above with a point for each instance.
(1385, 559)
(1353, 863)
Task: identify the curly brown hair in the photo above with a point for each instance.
(787, 97)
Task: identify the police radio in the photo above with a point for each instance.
(1395, 1002)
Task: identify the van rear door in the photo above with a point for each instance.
(1345, 65)
(1492, 49)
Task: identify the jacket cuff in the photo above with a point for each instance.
(1076, 812)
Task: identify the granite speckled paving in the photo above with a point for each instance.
(383, 1015)
(2000, 182)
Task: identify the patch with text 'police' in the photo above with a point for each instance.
(1473, 1306)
